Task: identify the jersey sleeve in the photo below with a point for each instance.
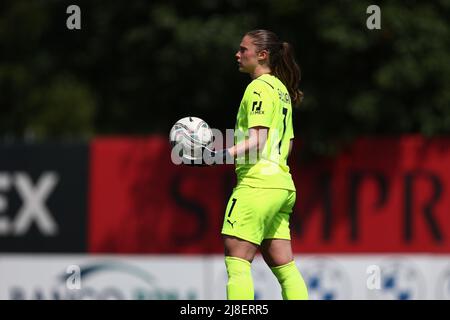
(259, 104)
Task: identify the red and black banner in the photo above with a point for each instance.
(124, 195)
(380, 195)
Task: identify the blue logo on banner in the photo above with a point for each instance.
(400, 280)
(325, 279)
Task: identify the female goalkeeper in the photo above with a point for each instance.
(258, 212)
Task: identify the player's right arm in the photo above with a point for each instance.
(258, 105)
(256, 140)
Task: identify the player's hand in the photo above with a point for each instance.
(208, 157)
(213, 157)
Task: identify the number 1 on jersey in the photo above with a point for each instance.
(285, 111)
(232, 206)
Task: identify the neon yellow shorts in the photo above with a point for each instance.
(255, 214)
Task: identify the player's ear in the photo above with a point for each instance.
(263, 55)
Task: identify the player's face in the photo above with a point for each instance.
(246, 56)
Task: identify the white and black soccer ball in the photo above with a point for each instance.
(190, 135)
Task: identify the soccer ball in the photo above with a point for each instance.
(190, 135)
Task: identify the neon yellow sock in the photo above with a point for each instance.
(293, 286)
(240, 282)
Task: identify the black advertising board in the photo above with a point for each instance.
(43, 197)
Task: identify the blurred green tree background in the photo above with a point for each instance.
(136, 67)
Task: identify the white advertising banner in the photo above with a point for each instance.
(354, 277)
(100, 277)
(369, 277)
(342, 277)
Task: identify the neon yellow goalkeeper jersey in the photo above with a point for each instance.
(266, 103)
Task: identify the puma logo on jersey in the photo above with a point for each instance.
(231, 223)
(257, 93)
